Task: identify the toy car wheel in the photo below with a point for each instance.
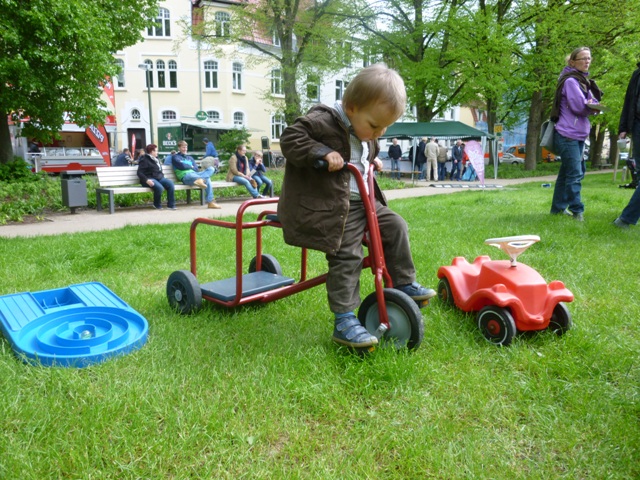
(444, 291)
(183, 292)
(560, 319)
(497, 325)
(407, 327)
(269, 264)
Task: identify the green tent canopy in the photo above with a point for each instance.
(406, 130)
(440, 130)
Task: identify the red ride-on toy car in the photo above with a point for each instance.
(509, 297)
(387, 313)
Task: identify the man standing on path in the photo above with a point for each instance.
(432, 160)
(456, 159)
(395, 153)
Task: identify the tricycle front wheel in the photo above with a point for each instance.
(405, 319)
(497, 325)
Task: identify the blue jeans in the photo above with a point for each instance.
(190, 179)
(631, 212)
(569, 182)
(247, 184)
(395, 167)
(262, 180)
(442, 171)
(160, 186)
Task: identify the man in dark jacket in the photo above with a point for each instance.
(124, 159)
(630, 123)
(630, 116)
(395, 153)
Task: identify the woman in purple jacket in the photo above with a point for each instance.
(575, 96)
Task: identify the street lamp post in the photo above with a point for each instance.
(147, 68)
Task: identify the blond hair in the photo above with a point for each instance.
(376, 84)
(573, 55)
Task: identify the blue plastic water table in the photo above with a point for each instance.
(74, 326)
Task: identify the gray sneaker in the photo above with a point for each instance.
(618, 222)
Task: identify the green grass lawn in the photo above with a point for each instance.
(262, 392)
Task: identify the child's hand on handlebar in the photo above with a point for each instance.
(378, 163)
(335, 161)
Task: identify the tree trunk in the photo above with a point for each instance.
(533, 131)
(596, 139)
(6, 149)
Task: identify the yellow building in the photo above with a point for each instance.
(193, 92)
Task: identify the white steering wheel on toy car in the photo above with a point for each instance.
(513, 246)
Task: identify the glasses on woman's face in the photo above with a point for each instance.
(583, 59)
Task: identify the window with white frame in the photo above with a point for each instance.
(277, 126)
(275, 39)
(173, 74)
(168, 115)
(162, 24)
(119, 83)
(149, 73)
(237, 76)
(210, 74)
(161, 73)
(135, 115)
(339, 89)
(276, 82)
(238, 119)
(213, 116)
(222, 24)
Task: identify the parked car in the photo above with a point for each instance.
(515, 152)
(511, 158)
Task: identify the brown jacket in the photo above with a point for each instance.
(233, 168)
(314, 203)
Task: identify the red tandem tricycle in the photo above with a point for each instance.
(389, 314)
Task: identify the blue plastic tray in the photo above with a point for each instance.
(74, 326)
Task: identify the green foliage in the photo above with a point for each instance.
(310, 34)
(262, 392)
(21, 198)
(16, 171)
(55, 53)
(228, 142)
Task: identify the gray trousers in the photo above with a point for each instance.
(343, 279)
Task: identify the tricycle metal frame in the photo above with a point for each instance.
(268, 218)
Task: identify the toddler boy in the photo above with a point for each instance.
(322, 210)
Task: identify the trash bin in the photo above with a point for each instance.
(74, 189)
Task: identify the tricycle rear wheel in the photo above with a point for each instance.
(405, 319)
(497, 325)
(269, 264)
(183, 292)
